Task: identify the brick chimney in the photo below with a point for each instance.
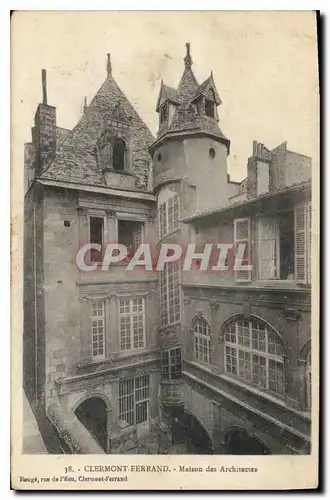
(44, 131)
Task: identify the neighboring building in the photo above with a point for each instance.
(172, 361)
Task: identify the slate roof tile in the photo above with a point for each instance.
(76, 159)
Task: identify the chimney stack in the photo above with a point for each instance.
(44, 130)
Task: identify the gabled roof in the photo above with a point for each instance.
(166, 93)
(76, 159)
(206, 86)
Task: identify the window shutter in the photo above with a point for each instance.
(242, 235)
(309, 242)
(268, 251)
(300, 243)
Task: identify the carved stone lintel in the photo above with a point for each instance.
(83, 298)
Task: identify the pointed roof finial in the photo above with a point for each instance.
(188, 60)
(109, 67)
(85, 104)
(44, 86)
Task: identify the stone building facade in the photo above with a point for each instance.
(169, 360)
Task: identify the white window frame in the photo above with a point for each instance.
(98, 318)
(165, 207)
(234, 348)
(167, 375)
(165, 313)
(131, 397)
(247, 241)
(277, 249)
(202, 339)
(131, 314)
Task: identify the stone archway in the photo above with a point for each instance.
(187, 430)
(240, 442)
(93, 414)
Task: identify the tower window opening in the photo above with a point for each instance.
(209, 108)
(164, 113)
(118, 155)
(212, 152)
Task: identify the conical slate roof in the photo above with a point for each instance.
(76, 158)
(189, 117)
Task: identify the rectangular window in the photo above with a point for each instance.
(171, 364)
(132, 323)
(130, 235)
(169, 215)
(268, 248)
(209, 108)
(164, 112)
(231, 360)
(242, 237)
(170, 294)
(278, 238)
(96, 225)
(98, 328)
(134, 400)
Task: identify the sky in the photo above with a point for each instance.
(264, 66)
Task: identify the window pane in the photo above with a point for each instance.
(276, 376)
(202, 341)
(131, 323)
(141, 412)
(98, 327)
(244, 360)
(253, 337)
(231, 360)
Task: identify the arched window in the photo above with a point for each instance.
(309, 379)
(254, 353)
(202, 334)
(118, 154)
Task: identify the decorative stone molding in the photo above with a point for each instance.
(187, 301)
(214, 305)
(83, 298)
(82, 211)
(291, 314)
(110, 213)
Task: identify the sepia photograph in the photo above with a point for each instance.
(165, 184)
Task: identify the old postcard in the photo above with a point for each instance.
(165, 222)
